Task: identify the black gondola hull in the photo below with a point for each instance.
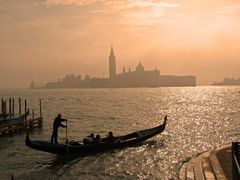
(69, 149)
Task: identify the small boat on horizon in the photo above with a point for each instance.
(94, 148)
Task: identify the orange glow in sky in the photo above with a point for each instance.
(43, 40)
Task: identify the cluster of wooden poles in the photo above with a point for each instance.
(12, 122)
(10, 112)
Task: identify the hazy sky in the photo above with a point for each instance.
(43, 40)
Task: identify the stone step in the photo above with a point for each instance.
(190, 170)
(183, 171)
(207, 168)
(198, 169)
(224, 157)
(216, 167)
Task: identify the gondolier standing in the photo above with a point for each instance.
(56, 124)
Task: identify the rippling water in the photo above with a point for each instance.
(201, 118)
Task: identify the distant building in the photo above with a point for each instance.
(112, 65)
(229, 82)
(138, 78)
(32, 85)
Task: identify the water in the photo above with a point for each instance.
(201, 118)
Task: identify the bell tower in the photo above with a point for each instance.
(112, 65)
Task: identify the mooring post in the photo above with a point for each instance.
(40, 110)
(33, 114)
(5, 109)
(40, 107)
(32, 121)
(12, 176)
(2, 106)
(13, 107)
(20, 104)
(10, 108)
(25, 109)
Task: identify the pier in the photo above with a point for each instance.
(12, 123)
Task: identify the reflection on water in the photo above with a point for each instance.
(201, 118)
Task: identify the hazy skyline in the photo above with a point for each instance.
(43, 40)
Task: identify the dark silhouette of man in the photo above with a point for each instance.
(56, 124)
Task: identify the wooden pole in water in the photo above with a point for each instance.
(40, 107)
(66, 132)
(67, 137)
(4, 109)
(13, 107)
(32, 122)
(20, 106)
(2, 105)
(12, 176)
(33, 114)
(25, 109)
(10, 108)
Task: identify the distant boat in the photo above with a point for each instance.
(94, 148)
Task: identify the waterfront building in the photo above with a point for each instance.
(112, 65)
(138, 78)
(228, 82)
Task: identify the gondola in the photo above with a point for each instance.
(94, 148)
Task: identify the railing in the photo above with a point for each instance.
(11, 123)
(9, 129)
(235, 160)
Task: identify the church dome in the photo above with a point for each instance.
(140, 67)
